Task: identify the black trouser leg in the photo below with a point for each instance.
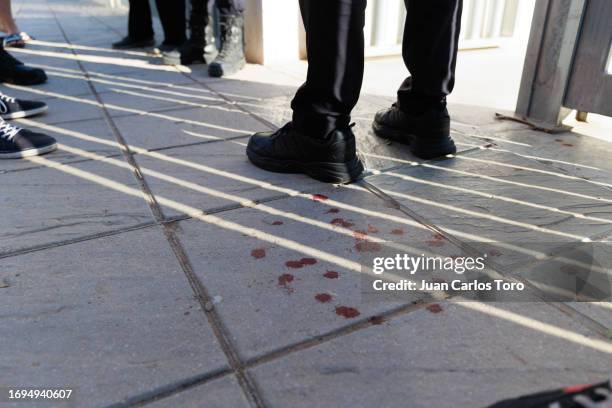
(140, 24)
(230, 7)
(429, 50)
(198, 19)
(334, 42)
(172, 16)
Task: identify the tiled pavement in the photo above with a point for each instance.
(146, 262)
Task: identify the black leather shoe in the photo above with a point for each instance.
(427, 134)
(331, 160)
(14, 71)
(129, 42)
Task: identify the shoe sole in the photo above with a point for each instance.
(216, 70)
(29, 152)
(14, 81)
(327, 172)
(444, 147)
(24, 113)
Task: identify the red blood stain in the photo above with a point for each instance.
(293, 264)
(360, 235)
(362, 244)
(437, 241)
(398, 231)
(377, 319)
(495, 252)
(367, 246)
(331, 275)
(372, 229)
(277, 223)
(342, 222)
(347, 312)
(434, 308)
(284, 280)
(308, 261)
(333, 211)
(319, 197)
(564, 143)
(323, 297)
(258, 253)
(301, 263)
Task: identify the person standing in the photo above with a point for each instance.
(14, 37)
(201, 45)
(231, 23)
(319, 140)
(140, 25)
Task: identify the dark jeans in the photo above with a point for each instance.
(171, 14)
(335, 46)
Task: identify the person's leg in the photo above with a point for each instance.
(319, 141)
(231, 55)
(419, 117)
(7, 23)
(140, 27)
(335, 47)
(14, 37)
(172, 16)
(429, 49)
(140, 22)
(195, 49)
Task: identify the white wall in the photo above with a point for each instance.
(272, 30)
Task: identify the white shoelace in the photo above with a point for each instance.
(7, 98)
(8, 131)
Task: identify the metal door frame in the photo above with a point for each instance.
(555, 30)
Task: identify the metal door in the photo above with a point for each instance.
(590, 82)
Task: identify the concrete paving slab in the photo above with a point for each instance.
(251, 81)
(91, 135)
(457, 194)
(65, 108)
(572, 151)
(214, 175)
(48, 206)
(185, 126)
(221, 393)
(247, 90)
(109, 318)
(47, 56)
(601, 312)
(55, 85)
(148, 79)
(149, 100)
(454, 358)
(290, 269)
